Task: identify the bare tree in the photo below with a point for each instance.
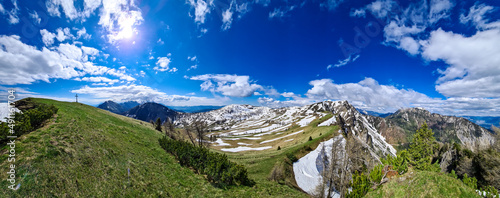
(189, 133)
(169, 128)
(201, 128)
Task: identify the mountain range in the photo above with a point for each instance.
(397, 128)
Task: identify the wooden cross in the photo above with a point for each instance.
(76, 96)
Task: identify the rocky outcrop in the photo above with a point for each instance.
(400, 127)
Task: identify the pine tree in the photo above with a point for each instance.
(422, 148)
(158, 124)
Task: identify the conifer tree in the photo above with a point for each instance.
(422, 148)
(158, 124)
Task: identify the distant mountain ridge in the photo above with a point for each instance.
(112, 107)
(118, 108)
(152, 111)
(400, 126)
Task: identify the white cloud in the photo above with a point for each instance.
(68, 8)
(47, 37)
(358, 13)
(473, 61)
(381, 8)
(201, 9)
(24, 64)
(344, 62)
(162, 64)
(227, 19)
(70, 51)
(160, 42)
(192, 67)
(476, 16)
(280, 12)
(99, 79)
(273, 103)
(143, 93)
(35, 17)
(366, 94)
(331, 4)
(13, 18)
(288, 94)
(82, 33)
(192, 58)
(231, 85)
(90, 51)
(173, 70)
(369, 95)
(90, 6)
(440, 9)
(63, 34)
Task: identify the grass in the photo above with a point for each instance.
(87, 152)
(424, 184)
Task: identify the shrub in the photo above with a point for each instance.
(360, 185)
(376, 174)
(310, 138)
(27, 121)
(470, 181)
(279, 148)
(292, 157)
(216, 166)
(452, 174)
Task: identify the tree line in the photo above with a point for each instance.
(195, 154)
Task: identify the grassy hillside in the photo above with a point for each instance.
(86, 152)
(424, 184)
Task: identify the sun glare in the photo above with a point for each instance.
(127, 32)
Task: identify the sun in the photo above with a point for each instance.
(127, 29)
(127, 32)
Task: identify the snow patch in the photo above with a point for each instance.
(221, 143)
(306, 170)
(304, 122)
(329, 122)
(244, 148)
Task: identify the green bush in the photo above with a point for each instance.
(27, 121)
(376, 173)
(470, 181)
(216, 166)
(452, 174)
(292, 157)
(360, 185)
(398, 163)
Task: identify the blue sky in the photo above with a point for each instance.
(379, 55)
